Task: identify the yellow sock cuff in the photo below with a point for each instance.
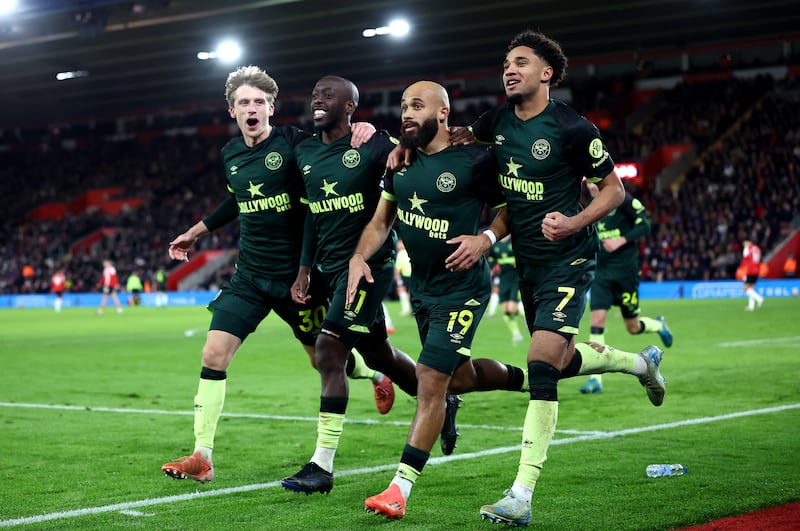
(329, 429)
(407, 472)
(609, 360)
(360, 368)
(207, 408)
(651, 325)
(537, 434)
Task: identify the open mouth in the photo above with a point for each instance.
(252, 122)
(319, 114)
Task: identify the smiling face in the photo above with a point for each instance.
(332, 102)
(525, 75)
(251, 109)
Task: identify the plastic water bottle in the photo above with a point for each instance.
(657, 471)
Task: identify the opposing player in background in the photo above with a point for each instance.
(501, 255)
(58, 283)
(751, 264)
(617, 280)
(265, 186)
(109, 283)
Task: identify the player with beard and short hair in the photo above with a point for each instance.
(544, 150)
(440, 195)
(265, 188)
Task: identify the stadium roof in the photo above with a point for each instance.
(141, 55)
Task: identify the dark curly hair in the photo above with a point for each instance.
(547, 49)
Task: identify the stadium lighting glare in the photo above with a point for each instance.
(205, 56)
(62, 76)
(228, 51)
(396, 28)
(399, 28)
(7, 6)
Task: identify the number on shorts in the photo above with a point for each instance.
(312, 319)
(630, 299)
(568, 293)
(361, 296)
(464, 318)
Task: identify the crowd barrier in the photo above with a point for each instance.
(647, 290)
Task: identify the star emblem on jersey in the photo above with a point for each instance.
(513, 167)
(328, 188)
(417, 202)
(255, 189)
(601, 226)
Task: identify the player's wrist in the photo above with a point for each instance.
(491, 235)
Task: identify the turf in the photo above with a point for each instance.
(91, 407)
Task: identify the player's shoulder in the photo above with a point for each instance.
(382, 138)
(474, 152)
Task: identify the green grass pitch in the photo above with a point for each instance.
(92, 406)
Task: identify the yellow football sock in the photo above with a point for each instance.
(360, 368)
(329, 429)
(207, 409)
(537, 433)
(609, 360)
(651, 325)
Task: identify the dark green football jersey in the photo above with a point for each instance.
(628, 220)
(342, 189)
(542, 162)
(266, 184)
(502, 254)
(439, 197)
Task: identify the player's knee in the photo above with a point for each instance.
(330, 354)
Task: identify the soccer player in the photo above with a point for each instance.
(751, 264)
(439, 196)
(160, 281)
(58, 283)
(402, 275)
(342, 190)
(544, 149)
(110, 285)
(265, 186)
(502, 255)
(617, 280)
(135, 287)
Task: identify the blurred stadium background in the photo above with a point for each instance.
(697, 101)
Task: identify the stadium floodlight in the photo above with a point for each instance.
(7, 6)
(396, 28)
(399, 27)
(228, 51)
(62, 76)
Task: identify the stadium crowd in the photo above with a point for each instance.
(743, 185)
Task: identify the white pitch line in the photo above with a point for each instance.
(149, 502)
(240, 415)
(750, 342)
